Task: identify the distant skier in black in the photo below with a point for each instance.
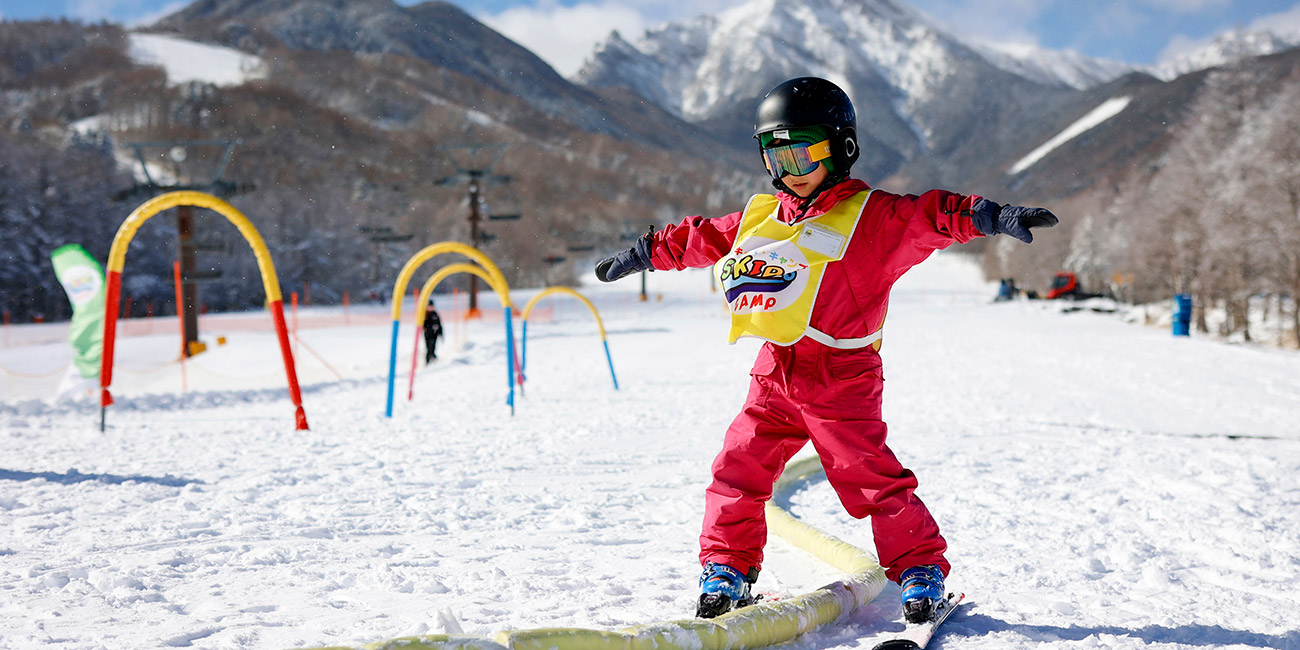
(432, 332)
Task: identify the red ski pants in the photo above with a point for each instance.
(832, 397)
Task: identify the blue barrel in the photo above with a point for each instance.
(1183, 314)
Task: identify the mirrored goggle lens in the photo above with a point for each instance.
(795, 159)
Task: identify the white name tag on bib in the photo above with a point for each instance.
(821, 239)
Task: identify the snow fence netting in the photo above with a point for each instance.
(759, 625)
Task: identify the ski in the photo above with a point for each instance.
(917, 635)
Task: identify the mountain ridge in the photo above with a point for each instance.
(901, 71)
(438, 32)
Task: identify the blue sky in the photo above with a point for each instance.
(564, 31)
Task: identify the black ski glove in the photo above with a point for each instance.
(630, 261)
(993, 219)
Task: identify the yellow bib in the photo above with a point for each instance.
(771, 276)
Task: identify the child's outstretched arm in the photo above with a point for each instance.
(696, 242)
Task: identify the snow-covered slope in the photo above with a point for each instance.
(1101, 485)
(1108, 109)
(186, 61)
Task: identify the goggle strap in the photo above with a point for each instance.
(820, 151)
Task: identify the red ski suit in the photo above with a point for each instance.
(810, 391)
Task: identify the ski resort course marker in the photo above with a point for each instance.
(755, 626)
(270, 283)
(523, 337)
(498, 284)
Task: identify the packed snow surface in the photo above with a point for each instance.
(1101, 484)
(185, 61)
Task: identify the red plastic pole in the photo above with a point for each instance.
(415, 353)
(293, 300)
(519, 368)
(415, 356)
(282, 333)
(111, 299)
(180, 316)
(346, 318)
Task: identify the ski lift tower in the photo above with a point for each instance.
(171, 166)
(474, 165)
(379, 236)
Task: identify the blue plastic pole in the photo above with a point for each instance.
(611, 363)
(510, 360)
(392, 371)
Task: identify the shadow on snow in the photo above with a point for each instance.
(968, 624)
(72, 476)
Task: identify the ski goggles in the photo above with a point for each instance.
(795, 159)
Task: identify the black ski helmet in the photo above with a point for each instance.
(813, 101)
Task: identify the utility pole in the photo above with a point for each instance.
(551, 261)
(474, 176)
(177, 152)
(189, 285)
(473, 169)
(633, 236)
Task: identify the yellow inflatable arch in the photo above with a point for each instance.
(426, 291)
(495, 280)
(448, 271)
(117, 261)
(599, 325)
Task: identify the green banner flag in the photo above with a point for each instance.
(83, 279)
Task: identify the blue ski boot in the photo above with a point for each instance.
(922, 592)
(722, 589)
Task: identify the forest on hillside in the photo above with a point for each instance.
(347, 165)
(1217, 217)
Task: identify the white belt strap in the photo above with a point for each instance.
(842, 344)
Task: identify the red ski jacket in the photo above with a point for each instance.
(894, 234)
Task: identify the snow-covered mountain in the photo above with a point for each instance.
(933, 108)
(1054, 66)
(437, 32)
(917, 89)
(695, 67)
(700, 67)
(1232, 45)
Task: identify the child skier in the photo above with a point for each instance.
(432, 332)
(809, 270)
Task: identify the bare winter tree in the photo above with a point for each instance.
(1271, 187)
